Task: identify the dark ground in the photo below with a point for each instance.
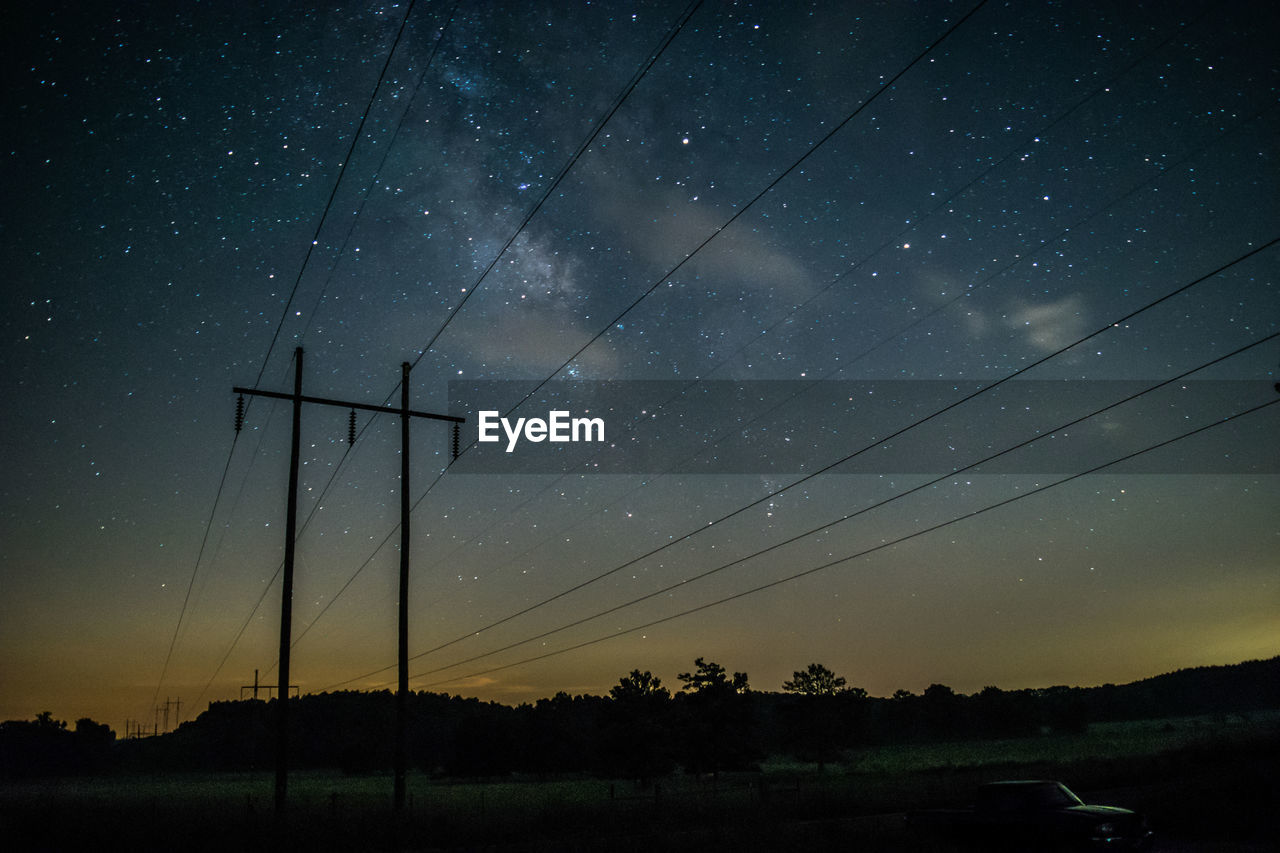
(1211, 798)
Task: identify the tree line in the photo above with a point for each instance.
(714, 721)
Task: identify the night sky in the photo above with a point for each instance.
(817, 224)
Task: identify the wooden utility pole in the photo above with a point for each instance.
(286, 604)
(402, 688)
(286, 593)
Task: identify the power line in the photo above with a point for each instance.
(832, 465)
(851, 515)
(871, 446)
(874, 549)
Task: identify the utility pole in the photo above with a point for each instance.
(286, 605)
(402, 688)
(176, 704)
(286, 593)
(256, 686)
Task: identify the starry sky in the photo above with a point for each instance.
(813, 264)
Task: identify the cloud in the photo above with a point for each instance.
(1048, 327)
(665, 223)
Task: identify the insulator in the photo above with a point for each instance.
(456, 434)
(239, 412)
(351, 428)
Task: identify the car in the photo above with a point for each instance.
(1036, 814)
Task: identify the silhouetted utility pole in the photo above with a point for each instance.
(255, 687)
(176, 704)
(402, 686)
(286, 605)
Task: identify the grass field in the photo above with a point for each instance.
(1209, 778)
(1102, 741)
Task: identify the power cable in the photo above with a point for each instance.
(876, 548)
(876, 443)
(822, 528)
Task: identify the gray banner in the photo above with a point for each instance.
(797, 427)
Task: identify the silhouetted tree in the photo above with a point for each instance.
(44, 721)
(718, 727)
(710, 679)
(940, 708)
(813, 720)
(484, 743)
(92, 742)
(1000, 713)
(638, 736)
(46, 747)
(561, 734)
(1063, 709)
(639, 686)
(817, 680)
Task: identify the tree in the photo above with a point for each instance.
(823, 716)
(710, 678)
(93, 742)
(46, 747)
(638, 685)
(1000, 713)
(563, 734)
(817, 680)
(719, 731)
(44, 720)
(941, 708)
(639, 731)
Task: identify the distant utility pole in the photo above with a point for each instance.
(176, 704)
(255, 687)
(286, 604)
